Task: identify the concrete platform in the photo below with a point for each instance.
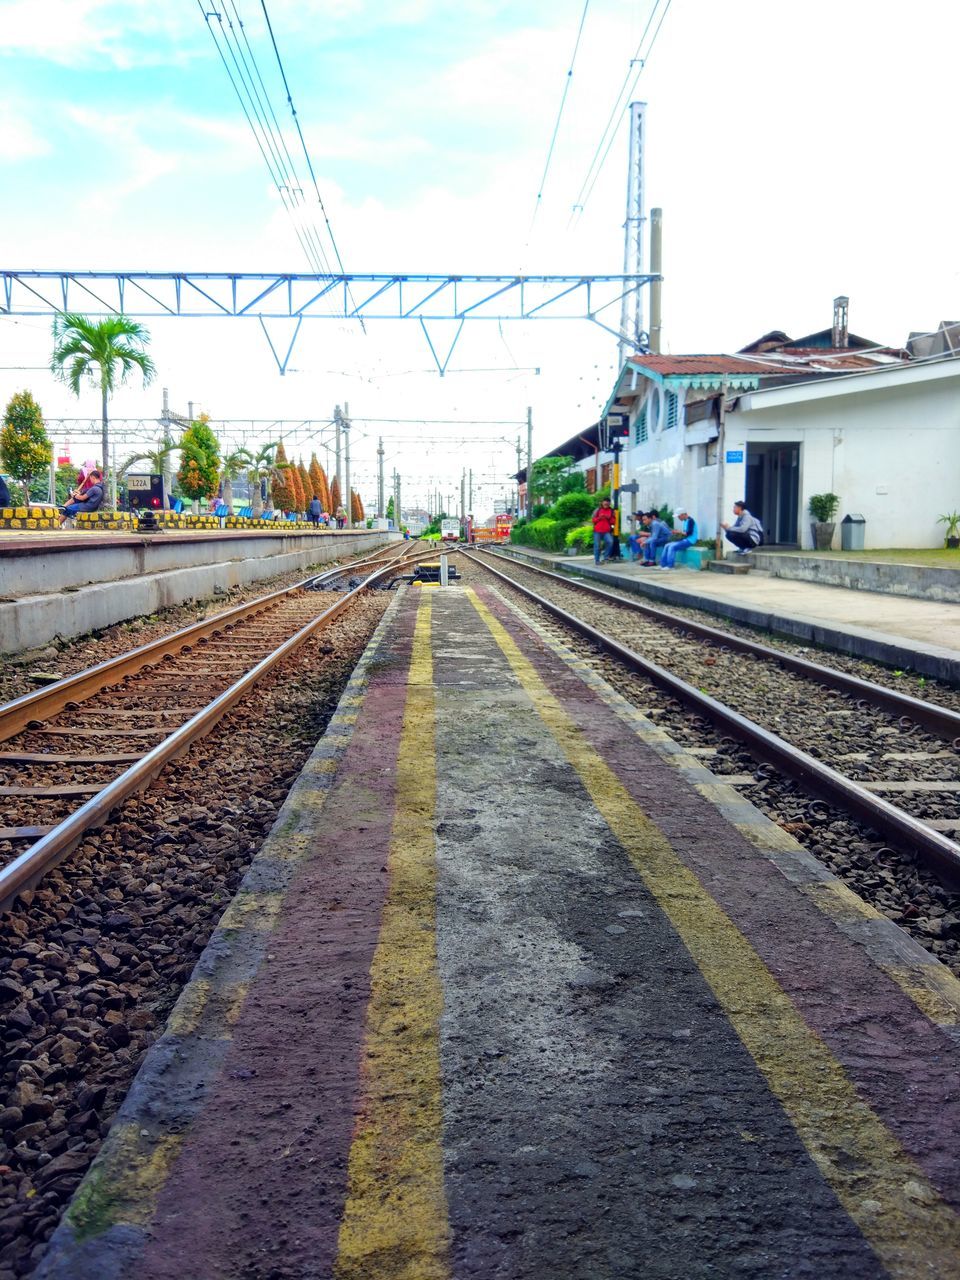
(517, 988)
(64, 584)
(917, 635)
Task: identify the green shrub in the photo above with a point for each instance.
(547, 534)
(580, 538)
(573, 506)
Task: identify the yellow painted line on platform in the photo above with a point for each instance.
(395, 1221)
(907, 1224)
(123, 1186)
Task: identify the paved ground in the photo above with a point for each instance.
(516, 990)
(902, 625)
(920, 620)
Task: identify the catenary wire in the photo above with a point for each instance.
(292, 188)
(604, 145)
(556, 127)
(286, 161)
(275, 178)
(306, 153)
(633, 87)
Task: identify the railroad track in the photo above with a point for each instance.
(926, 810)
(72, 752)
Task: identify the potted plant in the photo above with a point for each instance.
(952, 521)
(823, 507)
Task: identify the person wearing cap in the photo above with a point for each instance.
(689, 533)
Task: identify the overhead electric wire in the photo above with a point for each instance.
(605, 143)
(276, 179)
(306, 153)
(556, 127)
(291, 184)
(295, 186)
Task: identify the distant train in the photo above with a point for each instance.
(449, 530)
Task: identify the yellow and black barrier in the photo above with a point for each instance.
(31, 517)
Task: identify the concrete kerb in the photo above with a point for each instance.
(33, 621)
(104, 1229)
(858, 642)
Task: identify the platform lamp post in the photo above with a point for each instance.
(612, 431)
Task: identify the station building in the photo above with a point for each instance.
(829, 412)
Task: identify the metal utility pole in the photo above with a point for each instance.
(631, 308)
(380, 508)
(347, 496)
(529, 495)
(337, 419)
(470, 491)
(721, 431)
(463, 494)
(529, 461)
(656, 286)
(396, 504)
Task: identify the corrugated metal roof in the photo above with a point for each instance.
(686, 366)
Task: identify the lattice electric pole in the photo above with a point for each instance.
(632, 337)
(380, 508)
(346, 496)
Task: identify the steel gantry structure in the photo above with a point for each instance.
(295, 297)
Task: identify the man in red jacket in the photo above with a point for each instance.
(602, 532)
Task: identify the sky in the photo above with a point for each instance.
(798, 152)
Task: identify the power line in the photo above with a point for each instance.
(605, 143)
(556, 127)
(296, 187)
(303, 143)
(275, 176)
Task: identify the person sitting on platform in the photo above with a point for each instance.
(659, 536)
(689, 533)
(637, 538)
(92, 499)
(315, 511)
(746, 532)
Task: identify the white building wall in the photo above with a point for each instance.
(664, 469)
(891, 455)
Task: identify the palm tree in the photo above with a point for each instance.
(108, 349)
(261, 467)
(232, 467)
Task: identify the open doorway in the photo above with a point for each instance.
(773, 491)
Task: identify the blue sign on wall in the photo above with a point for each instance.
(734, 455)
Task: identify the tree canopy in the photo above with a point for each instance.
(284, 494)
(111, 348)
(199, 473)
(25, 448)
(550, 477)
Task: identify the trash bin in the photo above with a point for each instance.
(851, 532)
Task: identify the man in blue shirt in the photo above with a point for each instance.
(689, 533)
(659, 537)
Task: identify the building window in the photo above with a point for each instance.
(591, 475)
(640, 433)
(673, 410)
(606, 473)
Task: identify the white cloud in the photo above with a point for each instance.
(19, 140)
(83, 32)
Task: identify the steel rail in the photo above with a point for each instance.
(939, 720)
(940, 853)
(19, 714)
(28, 868)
